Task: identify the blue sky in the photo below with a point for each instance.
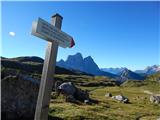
(115, 34)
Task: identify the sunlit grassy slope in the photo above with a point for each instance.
(107, 108)
(139, 107)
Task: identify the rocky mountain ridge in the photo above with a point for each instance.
(87, 65)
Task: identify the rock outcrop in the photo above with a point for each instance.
(19, 97)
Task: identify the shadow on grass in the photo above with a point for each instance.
(94, 101)
(14, 117)
(54, 118)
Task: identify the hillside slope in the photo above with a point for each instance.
(32, 65)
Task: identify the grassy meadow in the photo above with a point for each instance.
(107, 108)
(139, 107)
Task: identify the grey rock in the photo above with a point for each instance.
(87, 102)
(81, 95)
(108, 95)
(121, 98)
(19, 96)
(71, 99)
(155, 99)
(67, 88)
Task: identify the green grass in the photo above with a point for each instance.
(107, 108)
(139, 108)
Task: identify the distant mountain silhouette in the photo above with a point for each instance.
(87, 65)
(137, 74)
(116, 71)
(131, 75)
(149, 70)
(77, 62)
(124, 74)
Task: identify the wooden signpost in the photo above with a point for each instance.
(55, 37)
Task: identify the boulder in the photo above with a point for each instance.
(69, 89)
(81, 95)
(71, 99)
(18, 97)
(155, 99)
(121, 98)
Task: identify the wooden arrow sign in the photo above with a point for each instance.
(55, 37)
(45, 30)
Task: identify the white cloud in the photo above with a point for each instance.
(12, 34)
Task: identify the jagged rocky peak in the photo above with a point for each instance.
(88, 58)
(76, 59)
(90, 62)
(77, 62)
(154, 67)
(87, 65)
(76, 56)
(150, 70)
(61, 60)
(125, 70)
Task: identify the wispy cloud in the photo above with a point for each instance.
(12, 34)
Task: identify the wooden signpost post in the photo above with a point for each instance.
(55, 37)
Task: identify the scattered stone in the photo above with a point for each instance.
(155, 99)
(125, 100)
(121, 98)
(87, 102)
(158, 119)
(108, 95)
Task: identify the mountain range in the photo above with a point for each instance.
(76, 64)
(116, 71)
(31, 64)
(147, 71)
(88, 65)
